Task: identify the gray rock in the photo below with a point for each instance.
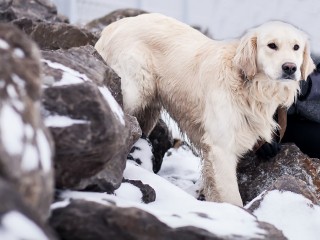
(255, 176)
(134, 129)
(97, 221)
(97, 25)
(86, 61)
(36, 9)
(84, 149)
(25, 145)
(148, 193)
(91, 152)
(55, 35)
(287, 183)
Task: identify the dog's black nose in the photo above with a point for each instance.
(289, 68)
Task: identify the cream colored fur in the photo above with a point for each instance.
(223, 94)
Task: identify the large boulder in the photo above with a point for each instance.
(36, 9)
(25, 145)
(55, 35)
(255, 175)
(89, 128)
(100, 222)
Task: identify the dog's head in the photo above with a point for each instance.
(276, 49)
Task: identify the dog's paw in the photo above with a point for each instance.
(201, 197)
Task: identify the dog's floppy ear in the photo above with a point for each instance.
(246, 55)
(308, 65)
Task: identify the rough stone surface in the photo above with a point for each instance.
(35, 9)
(255, 176)
(97, 221)
(90, 155)
(134, 129)
(25, 145)
(12, 203)
(97, 25)
(82, 150)
(56, 35)
(86, 61)
(161, 140)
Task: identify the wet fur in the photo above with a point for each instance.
(216, 91)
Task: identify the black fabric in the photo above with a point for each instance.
(305, 134)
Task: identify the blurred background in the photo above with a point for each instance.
(223, 19)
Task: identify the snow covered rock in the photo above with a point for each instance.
(174, 214)
(17, 221)
(255, 176)
(37, 9)
(88, 125)
(25, 145)
(296, 216)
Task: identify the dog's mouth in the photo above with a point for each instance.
(288, 77)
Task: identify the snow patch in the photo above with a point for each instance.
(11, 126)
(62, 121)
(30, 158)
(18, 53)
(129, 192)
(183, 169)
(292, 213)
(70, 76)
(60, 204)
(17, 226)
(142, 152)
(4, 44)
(44, 151)
(112, 103)
(171, 201)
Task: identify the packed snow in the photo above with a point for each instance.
(58, 121)
(70, 76)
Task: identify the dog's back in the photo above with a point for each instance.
(153, 53)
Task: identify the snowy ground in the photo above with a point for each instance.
(176, 205)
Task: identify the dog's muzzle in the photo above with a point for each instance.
(288, 71)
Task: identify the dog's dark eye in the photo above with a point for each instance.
(272, 46)
(296, 47)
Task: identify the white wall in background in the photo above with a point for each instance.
(224, 18)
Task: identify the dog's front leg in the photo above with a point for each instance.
(219, 176)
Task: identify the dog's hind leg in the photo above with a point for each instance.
(148, 117)
(219, 176)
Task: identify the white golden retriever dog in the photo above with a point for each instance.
(222, 94)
